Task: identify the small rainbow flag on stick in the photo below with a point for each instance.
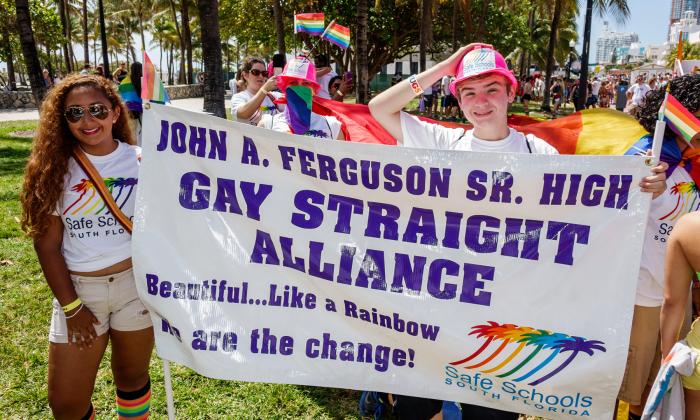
(152, 88)
(311, 23)
(337, 34)
(679, 119)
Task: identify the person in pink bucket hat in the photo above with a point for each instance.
(301, 72)
(484, 87)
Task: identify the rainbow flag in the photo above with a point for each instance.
(127, 91)
(679, 119)
(298, 110)
(152, 88)
(337, 34)
(311, 23)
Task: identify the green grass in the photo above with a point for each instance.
(25, 313)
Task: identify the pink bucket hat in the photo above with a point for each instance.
(480, 61)
(299, 68)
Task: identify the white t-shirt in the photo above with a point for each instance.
(423, 135)
(92, 238)
(595, 87)
(323, 81)
(266, 107)
(639, 91)
(665, 211)
(321, 126)
(233, 86)
(445, 85)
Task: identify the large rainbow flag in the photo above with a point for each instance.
(679, 119)
(311, 23)
(152, 88)
(337, 34)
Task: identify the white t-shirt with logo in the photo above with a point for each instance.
(423, 135)
(267, 107)
(681, 196)
(92, 237)
(321, 126)
(639, 91)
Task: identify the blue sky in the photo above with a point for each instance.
(648, 18)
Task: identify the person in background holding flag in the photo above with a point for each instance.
(88, 265)
(298, 82)
(680, 157)
(250, 105)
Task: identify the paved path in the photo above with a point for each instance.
(194, 104)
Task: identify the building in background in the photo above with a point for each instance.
(680, 6)
(688, 24)
(609, 41)
(657, 53)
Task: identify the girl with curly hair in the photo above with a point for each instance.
(679, 198)
(84, 252)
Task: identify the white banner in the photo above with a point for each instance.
(503, 280)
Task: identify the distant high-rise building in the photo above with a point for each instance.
(680, 6)
(608, 41)
(687, 25)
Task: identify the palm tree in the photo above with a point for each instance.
(279, 26)
(690, 52)
(575, 345)
(187, 36)
(29, 51)
(84, 21)
(103, 38)
(482, 330)
(362, 93)
(426, 30)
(211, 52)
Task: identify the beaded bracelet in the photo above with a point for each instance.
(76, 312)
(69, 307)
(415, 86)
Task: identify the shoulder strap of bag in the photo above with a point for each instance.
(99, 185)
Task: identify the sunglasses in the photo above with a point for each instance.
(256, 72)
(76, 113)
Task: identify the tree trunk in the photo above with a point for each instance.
(5, 45)
(361, 48)
(426, 31)
(186, 33)
(181, 73)
(211, 53)
(160, 62)
(49, 66)
(64, 26)
(279, 25)
(583, 76)
(556, 15)
(103, 38)
(468, 21)
(86, 44)
(455, 21)
(521, 64)
(31, 56)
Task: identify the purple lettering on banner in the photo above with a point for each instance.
(326, 168)
(474, 233)
(347, 256)
(421, 221)
(618, 191)
(253, 199)
(264, 248)
(574, 182)
(304, 201)
(315, 251)
(553, 189)
(453, 225)
(226, 196)
(405, 273)
(178, 137)
(451, 268)
(372, 268)
(439, 182)
(250, 152)
(198, 141)
(381, 215)
(392, 177)
(345, 206)
(287, 153)
(348, 171)
(151, 284)
(312, 345)
(568, 235)
(399, 358)
(288, 260)
(164, 131)
(475, 181)
(191, 198)
(370, 174)
(415, 180)
(502, 183)
(530, 238)
(592, 193)
(472, 288)
(217, 140)
(306, 158)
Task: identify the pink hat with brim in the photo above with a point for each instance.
(482, 61)
(299, 68)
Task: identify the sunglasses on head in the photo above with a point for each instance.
(75, 113)
(256, 72)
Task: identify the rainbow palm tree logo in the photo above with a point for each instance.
(89, 199)
(516, 338)
(687, 201)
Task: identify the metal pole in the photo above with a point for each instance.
(168, 390)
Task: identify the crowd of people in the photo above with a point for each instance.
(91, 276)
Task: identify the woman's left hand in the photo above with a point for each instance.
(655, 183)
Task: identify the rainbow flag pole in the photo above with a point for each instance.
(321, 37)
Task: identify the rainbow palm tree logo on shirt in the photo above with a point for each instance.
(90, 202)
(517, 364)
(687, 201)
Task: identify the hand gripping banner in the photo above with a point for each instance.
(503, 280)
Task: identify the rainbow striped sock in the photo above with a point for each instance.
(134, 405)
